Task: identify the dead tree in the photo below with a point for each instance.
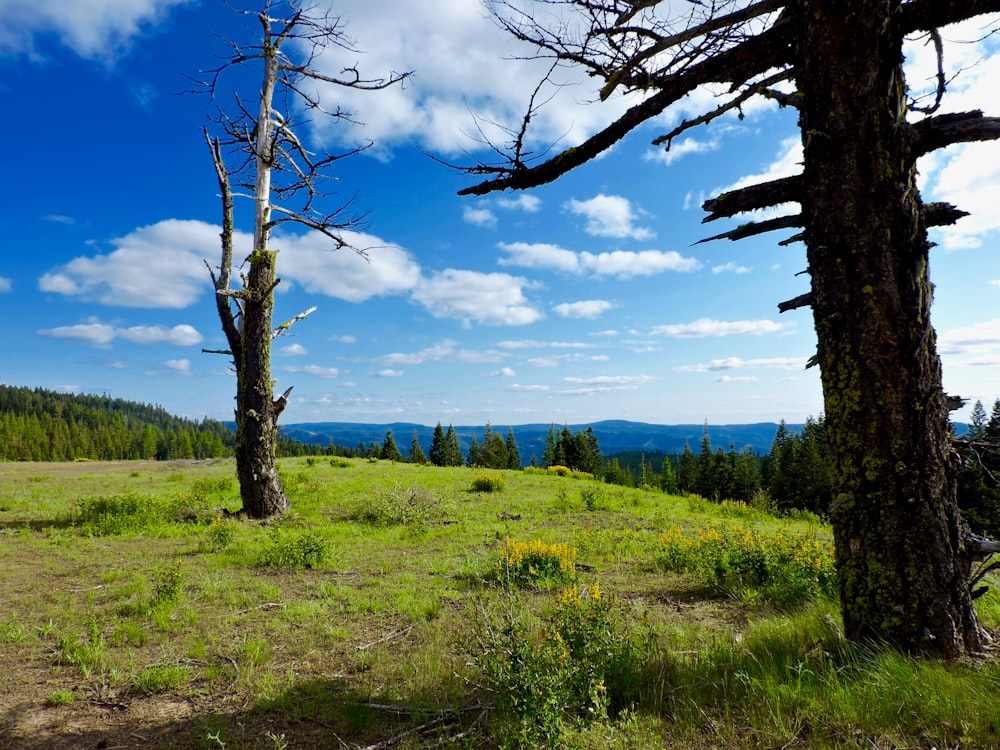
(259, 152)
(903, 554)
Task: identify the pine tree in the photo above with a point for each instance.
(977, 421)
(993, 426)
(704, 483)
(647, 477)
(452, 449)
(668, 482)
(389, 450)
(513, 455)
(549, 456)
(688, 470)
(439, 454)
(472, 460)
(416, 452)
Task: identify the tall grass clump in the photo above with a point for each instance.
(577, 666)
(117, 515)
(534, 562)
(294, 549)
(397, 505)
(780, 567)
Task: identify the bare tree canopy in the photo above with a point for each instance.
(903, 553)
(261, 154)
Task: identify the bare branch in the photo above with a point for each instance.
(753, 228)
(753, 197)
(759, 88)
(933, 133)
(280, 330)
(803, 300)
(935, 37)
(942, 214)
(769, 49)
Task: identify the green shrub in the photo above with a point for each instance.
(220, 534)
(577, 667)
(116, 515)
(592, 497)
(530, 563)
(167, 584)
(294, 550)
(488, 483)
(782, 568)
(397, 506)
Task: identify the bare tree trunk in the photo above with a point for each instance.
(897, 529)
(256, 422)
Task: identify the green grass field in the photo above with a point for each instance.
(415, 607)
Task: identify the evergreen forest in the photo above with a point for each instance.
(792, 478)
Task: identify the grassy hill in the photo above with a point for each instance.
(407, 606)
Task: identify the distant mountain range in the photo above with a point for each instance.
(614, 436)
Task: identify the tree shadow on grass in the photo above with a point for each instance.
(314, 713)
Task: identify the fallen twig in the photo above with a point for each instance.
(389, 637)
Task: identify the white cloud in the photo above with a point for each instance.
(609, 332)
(5, 284)
(95, 29)
(480, 217)
(626, 264)
(555, 360)
(389, 373)
(157, 266)
(311, 260)
(59, 219)
(973, 339)
(505, 372)
(590, 308)
(787, 163)
(96, 334)
(614, 380)
(681, 149)
(620, 263)
(731, 268)
(736, 363)
(182, 335)
(967, 175)
(488, 356)
(182, 366)
(316, 370)
(517, 388)
(292, 350)
(533, 344)
(708, 328)
(487, 298)
(539, 255)
(445, 102)
(527, 203)
(102, 335)
(737, 379)
(344, 339)
(609, 216)
(432, 354)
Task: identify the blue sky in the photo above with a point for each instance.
(579, 301)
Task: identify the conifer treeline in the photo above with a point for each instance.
(41, 425)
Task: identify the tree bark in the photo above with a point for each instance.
(897, 530)
(256, 423)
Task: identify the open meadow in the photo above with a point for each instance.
(411, 606)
